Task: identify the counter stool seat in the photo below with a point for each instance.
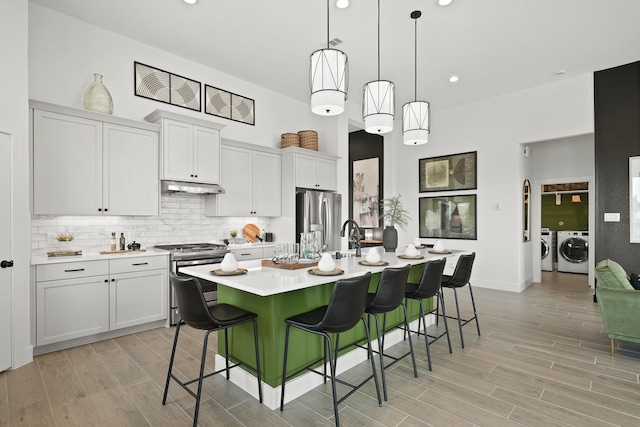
(195, 312)
(344, 311)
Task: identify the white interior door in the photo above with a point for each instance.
(5, 251)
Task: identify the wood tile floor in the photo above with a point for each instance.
(542, 359)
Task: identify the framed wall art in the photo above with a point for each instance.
(448, 217)
(445, 173)
(219, 102)
(366, 161)
(163, 86)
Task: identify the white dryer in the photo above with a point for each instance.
(573, 251)
(546, 245)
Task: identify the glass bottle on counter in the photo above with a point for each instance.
(122, 245)
(113, 241)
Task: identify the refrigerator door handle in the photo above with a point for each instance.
(324, 221)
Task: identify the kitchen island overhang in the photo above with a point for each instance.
(276, 294)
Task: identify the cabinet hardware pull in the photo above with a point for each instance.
(6, 264)
(140, 263)
(76, 269)
(246, 254)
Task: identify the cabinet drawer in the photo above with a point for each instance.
(128, 264)
(70, 270)
(248, 253)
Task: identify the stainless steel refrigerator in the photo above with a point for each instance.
(319, 211)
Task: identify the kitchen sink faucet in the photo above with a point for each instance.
(357, 234)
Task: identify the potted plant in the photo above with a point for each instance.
(394, 213)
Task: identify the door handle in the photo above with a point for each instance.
(6, 264)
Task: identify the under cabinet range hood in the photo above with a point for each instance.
(190, 187)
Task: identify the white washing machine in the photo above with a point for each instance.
(546, 245)
(573, 251)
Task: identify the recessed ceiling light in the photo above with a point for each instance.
(341, 4)
(453, 79)
(190, 1)
(444, 2)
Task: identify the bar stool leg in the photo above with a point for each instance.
(373, 363)
(444, 318)
(426, 337)
(475, 315)
(406, 326)
(173, 354)
(455, 294)
(226, 352)
(255, 339)
(202, 364)
(284, 366)
(332, 368)
(380, 353)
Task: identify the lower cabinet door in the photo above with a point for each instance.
(71, 308)
(138, 297)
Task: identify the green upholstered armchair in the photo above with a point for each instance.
(619, 302)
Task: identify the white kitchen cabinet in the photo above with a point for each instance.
(72, 301)
(244, 254)
(190, 148)
(137, 291)
(86, 163)
(251, 180)
(83, 298)
(315, 172)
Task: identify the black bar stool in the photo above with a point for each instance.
(388, 296)
(429, 287)
(461, 277)
(195, 312)
(344, 311)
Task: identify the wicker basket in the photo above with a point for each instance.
(289, 140)
(308, 139)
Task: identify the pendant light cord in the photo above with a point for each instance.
(378, 40)
(328, 24)
(415, 83)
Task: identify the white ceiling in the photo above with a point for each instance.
(495, 46)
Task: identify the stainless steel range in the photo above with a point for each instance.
(188, 254)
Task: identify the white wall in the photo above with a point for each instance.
(14, 120)
(495, 128)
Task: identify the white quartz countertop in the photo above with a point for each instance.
(266, 281)
(93, 256)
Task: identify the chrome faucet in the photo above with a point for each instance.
(357, 233)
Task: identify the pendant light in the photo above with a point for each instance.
(416, 115)
(329, 78)
(378, 103)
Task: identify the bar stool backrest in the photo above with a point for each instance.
(431, 279)
(191, 303)
(390, 292)
(462, 273)
(346, 305)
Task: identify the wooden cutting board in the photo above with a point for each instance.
(250, 231)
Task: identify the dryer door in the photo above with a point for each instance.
(575, 250)
(544, 246)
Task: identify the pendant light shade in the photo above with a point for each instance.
(378, 101)
(416, 115)
(329, 79)
(329, 75)
(378, 106)
(416, 118)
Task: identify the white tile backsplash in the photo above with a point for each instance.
(181, 220)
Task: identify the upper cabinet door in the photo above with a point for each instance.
(267, 184)
(237, 181)
(326, 174)
(131, 182)
(305, 171)
(67, 165)
(178, 153)
(206, 155)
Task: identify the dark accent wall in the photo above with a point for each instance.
(617, 137)
(363, 145)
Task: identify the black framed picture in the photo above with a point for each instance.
(452, 172)
(163, 86)
(221, 103)
(448, 217)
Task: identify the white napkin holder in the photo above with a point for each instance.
(438, 246)
(411, 250)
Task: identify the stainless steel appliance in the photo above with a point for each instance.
(189, 254)
(319, 211)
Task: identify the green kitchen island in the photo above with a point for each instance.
(275, 294)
